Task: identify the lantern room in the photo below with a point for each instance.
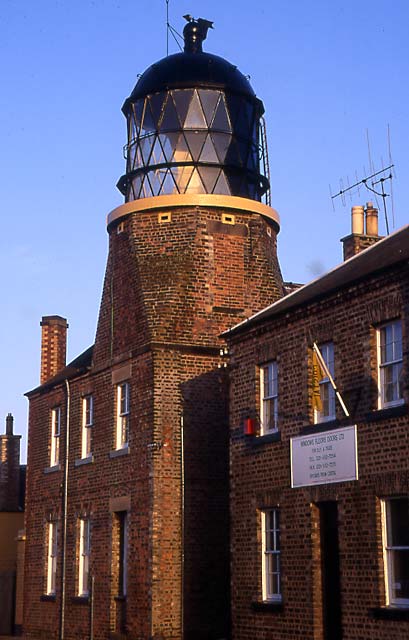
(194, 126)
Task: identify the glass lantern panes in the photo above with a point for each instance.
(193, 141)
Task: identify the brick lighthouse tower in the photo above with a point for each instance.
(192, 251)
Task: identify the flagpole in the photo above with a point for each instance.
(330, 378)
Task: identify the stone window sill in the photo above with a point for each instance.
(257, 441)
(80, 600)
(389, 613)
(389, 412)
(79, 462)
(265, 606)
(48, 597)
(119, 452)
(56, 467)
(320, 427)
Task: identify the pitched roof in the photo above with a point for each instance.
(385, 253)
(76, 367)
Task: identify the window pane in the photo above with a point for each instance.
(170, 119)
(195, 141)
(398, 522)
(221, 185)
(276, 583)
(157, 102)
(209, 100)
(181, 98)
(208, 153)
(195, 184)
(400, 579)
(397, 341)
(195, 117)
(221, 118)
(221, 143)
(209, 176)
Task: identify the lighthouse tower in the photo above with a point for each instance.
(192, 252)
(144, 502)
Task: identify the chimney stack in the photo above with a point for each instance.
(10, 464)
(53, 346)
(9, 424)
(364, 230)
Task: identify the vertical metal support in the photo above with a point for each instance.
(182, 525)
(91, 622)
(65, 508)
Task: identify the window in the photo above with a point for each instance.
(395, 535)
(390, 364)
(269, 398)
(270, 522)
(55, 436)
(326, 409)
(87, 422)
(122, 418)
(84, 553)
(52, 533)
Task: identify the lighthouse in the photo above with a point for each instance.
(136, 509)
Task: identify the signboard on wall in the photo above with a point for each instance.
(322, 458)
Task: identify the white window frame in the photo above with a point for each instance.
(87, 423)
(268, 397)
(388, 554)
(325, 386)
(393, 365)
(271, 552)
(122, 415)
(52, 549)
(84, 556)
(55, 436)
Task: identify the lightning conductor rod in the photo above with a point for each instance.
(167, 28)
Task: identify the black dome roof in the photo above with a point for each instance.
(191, 70)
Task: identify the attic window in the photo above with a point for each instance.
(164, 217)
(120, 228)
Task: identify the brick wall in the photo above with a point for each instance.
(170, 289)
(260, 467)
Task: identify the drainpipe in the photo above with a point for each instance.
(91, 623)
(64, 507)
(182, 526)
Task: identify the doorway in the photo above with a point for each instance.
(330, 571)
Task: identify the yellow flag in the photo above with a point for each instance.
(317, 375)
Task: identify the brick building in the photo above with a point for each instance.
(12, 482)
(320, 482)
(128, 526)
(127, 506)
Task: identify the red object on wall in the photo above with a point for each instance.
(249, 427)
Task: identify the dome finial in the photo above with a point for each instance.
(194, 33)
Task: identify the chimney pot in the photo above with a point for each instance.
(357, 220)
(371, 216)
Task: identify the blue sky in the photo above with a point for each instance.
(327, 73)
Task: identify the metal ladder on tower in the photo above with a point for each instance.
(264, 157)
